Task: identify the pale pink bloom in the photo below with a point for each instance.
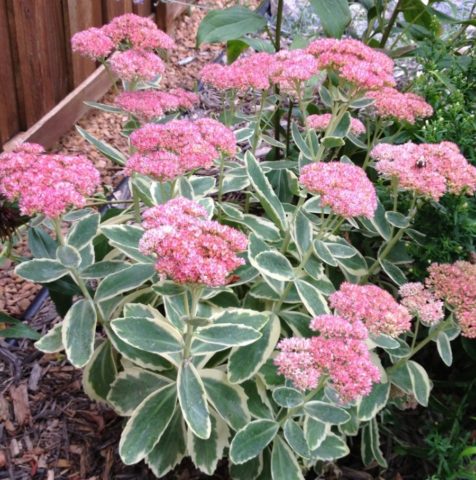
(149, 104)
(364, 68)
(456, 284)
(191, 249)
(321, 122)
(166, 151)
(389, 102)
(296, 362)
(422, 302)
(134, 65)
(429, 169)
(46, 183)
(373, 306)
(292, 68)
(134, 31)
(252, 71)
(92, 43)
(344, 188)
(338, 353)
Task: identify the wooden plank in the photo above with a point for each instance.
(9, 114)
(114, 8)
(61, 118)
(80, 15)
(166, 13)
(143, 9)
(41, 45)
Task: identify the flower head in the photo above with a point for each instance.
(343, 187)
(92, 43)
(339, 352)
(134, 31)
(189, 248)
(321, 122)
(373, 306)
(422, 302)
(251, 72)
(149, 104)
(46, 183)
(356, 64)
(135, 65)
(429, 169)
(456, 284)
(166, 151)
(390, 103)
(292, 67)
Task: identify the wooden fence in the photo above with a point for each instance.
(37, 67)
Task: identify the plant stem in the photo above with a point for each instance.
(277, 44)
(221, 178)
(191, 314)
(390, 24)
(257, 132)
(135, 200)
(415, 349)
(288, 126)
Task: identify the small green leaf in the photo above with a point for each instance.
(79, 332)
(227, 399)
(144, 429)
(41, 245)
(375, 401)
(229, 24)
(283, 462)
(84, 231)
(370, 445)
(193, 400)
(170, 449)
(334, 15)
(332, 142)
(100, 372)
(326, 413)
(312, 299)
(103, 269)
(151, 335)
(131, 387)
(241, 316)
(332, 448)
(228, 334)
(244, 362)
(264, 191)
(68, 256)
(275, 265)
(322, 251)
(252, 439)
(294, 435)
(315, 431)
(300, 142)
(421, 384)
(126, 239)
(443, 346)
(123, 281)
(393, 272)
(16, 328)
(51, 342)
(41, 270)
(397, 219)
(287, 397)
(107, 150)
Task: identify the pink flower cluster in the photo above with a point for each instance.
(292, 67)
(343, 187)
(134, 31)
(46, 183)
(429, 169)
(166, 151)
(456, 284)
(321, 123)
(124, 32)
(253, 71)
(422, 302)
(136, 65)
(149, 104)
(92, 43)
(363, 67)
(339, 352)
(373, 306)
(389, 102)
(286, 68)
(189, 248)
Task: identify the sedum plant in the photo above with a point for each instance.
(245, 307)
